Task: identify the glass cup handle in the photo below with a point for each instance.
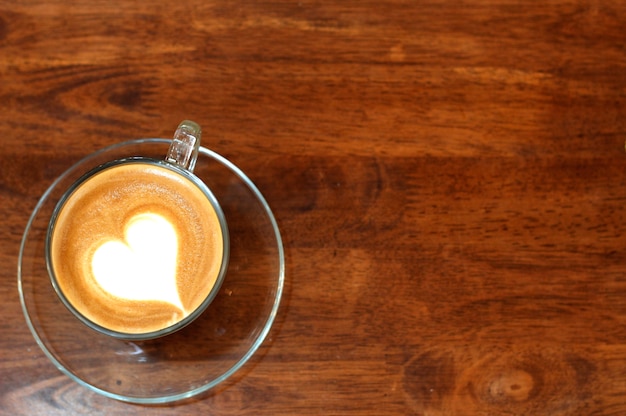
(184, 148)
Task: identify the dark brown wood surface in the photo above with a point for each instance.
(449, 179)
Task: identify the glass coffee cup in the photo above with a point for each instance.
(138, 247)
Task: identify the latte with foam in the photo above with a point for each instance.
(137, 247)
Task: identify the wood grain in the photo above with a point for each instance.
(448, 177)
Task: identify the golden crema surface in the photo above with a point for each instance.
(136, 247)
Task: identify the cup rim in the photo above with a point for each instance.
(141, 336)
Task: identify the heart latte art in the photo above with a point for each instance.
(136, 248)
(144, 267)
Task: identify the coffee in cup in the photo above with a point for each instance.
(138, 247)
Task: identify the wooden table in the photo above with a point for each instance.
(449, 179)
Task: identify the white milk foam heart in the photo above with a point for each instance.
(144, 266)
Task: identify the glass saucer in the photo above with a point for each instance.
(199, 356)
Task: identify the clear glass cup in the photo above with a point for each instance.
(180, 161)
